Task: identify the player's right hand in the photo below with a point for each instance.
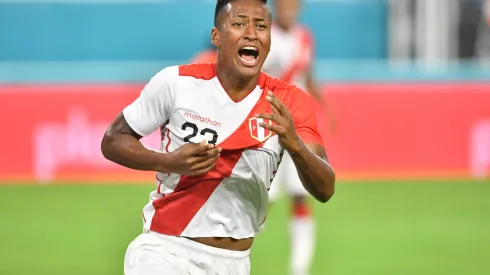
(193, 159)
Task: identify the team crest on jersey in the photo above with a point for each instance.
(259, 133)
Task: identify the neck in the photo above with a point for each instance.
(237, 87)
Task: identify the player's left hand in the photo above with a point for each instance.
(284, 125)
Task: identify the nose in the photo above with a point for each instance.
(250, 32)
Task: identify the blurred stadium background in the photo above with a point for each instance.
(408, 81)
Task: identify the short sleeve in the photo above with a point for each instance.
(304, 118)
(153, 107)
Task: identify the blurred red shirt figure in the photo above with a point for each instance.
(206, 56)
(291, 59)
(487, 12)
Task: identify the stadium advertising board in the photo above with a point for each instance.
(53, 132)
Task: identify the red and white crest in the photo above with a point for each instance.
(259, 133)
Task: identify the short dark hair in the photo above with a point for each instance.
(220, 4)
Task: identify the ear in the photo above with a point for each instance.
(215, 37)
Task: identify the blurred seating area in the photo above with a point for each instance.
(126, 41)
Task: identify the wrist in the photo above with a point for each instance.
(297, 148)
(162, 162)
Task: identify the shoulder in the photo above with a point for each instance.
(305, 34)
(304, 30)
(173, 73)
(204, 71)
(166, 73)
(161, 81)
(163, 78)
(167, 78)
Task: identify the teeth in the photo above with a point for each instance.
(250, 48)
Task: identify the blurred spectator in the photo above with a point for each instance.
(439, 30)
(402, 26)
(422, 30)
(487, 12)
(484, 41)
(470, 17)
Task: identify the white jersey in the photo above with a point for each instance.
(291, 55)
(188, 104)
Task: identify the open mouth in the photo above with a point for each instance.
(248, 55)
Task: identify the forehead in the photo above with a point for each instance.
(285, 2)
(247, 7)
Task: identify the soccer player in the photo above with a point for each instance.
(291, 59)
(224, 127)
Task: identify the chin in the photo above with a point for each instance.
(249, 72)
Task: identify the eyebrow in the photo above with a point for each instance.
(255, 19)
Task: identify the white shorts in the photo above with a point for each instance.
(287, 178)
(156, 254)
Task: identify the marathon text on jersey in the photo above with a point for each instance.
(202, 119)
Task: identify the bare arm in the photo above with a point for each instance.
(310, 159)
(315, 173)
(121, 145)
(146, 114)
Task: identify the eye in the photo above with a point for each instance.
(238, 24)
(261, 26)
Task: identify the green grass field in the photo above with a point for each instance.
(378, 228)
